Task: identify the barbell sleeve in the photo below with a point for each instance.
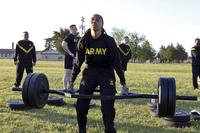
(186, 98)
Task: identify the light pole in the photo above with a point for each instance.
(82, 25)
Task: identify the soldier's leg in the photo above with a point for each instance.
(66, 78)
(87, 87)
(107, 87)
(29, 68)
(19, 73)
(68, 65)
(194, 76)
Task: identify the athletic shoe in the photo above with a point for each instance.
(124, 91)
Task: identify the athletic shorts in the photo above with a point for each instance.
(68, 62)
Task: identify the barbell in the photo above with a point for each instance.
(35, 92)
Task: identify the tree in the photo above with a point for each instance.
(161, 54)
(171, 53)
(56, 40)
(135, 41)
(49, 44)
(58, 37)
(118, 34)
(147, 52)
(181, 54)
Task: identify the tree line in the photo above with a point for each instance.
(141, 48)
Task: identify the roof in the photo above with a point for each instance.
(7, 51)
(51, 51)
(11, 51)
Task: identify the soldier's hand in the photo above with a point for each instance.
(74, 60)
(34, 63)
(15, 62)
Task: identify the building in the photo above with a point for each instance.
(50, 55)
(6, 53)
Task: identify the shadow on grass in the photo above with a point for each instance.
(48, 114)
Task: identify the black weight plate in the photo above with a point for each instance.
(25, 89)
(63, 103)
(171, 97)
(38, 83)
(54, 100)
(179, 116)
(154, 112)
(176, 124)
(17, 105)
(163, 97)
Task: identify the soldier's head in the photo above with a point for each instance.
(97, 22)
(197, 41)
(25, 35)
(126, 39)
(73, 29)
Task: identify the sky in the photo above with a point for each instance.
(161, 21)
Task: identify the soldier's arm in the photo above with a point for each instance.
(66, 48)
(16, 54)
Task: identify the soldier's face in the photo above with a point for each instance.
(96, 23)
(126, 40)
(73, 30)
(25, 35)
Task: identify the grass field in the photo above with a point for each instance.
(131, 115)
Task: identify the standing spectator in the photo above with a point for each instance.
(69, 44)
(125, 53)
(25, 58)
(195, 52)
(125, 56)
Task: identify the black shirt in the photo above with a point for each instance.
(195, 52)
(99, 53)
(25, 51)
(124, 52)
(72, 41)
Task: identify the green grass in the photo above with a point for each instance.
(131, 115)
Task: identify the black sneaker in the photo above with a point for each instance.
(16, 88)
(69, 90)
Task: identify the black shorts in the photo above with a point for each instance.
(68, 62)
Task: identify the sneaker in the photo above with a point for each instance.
(124, 91)
(69, 90)
(16, 88)
(197, 89)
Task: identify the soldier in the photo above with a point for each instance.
(195, 52)
(125, 53)
(25, 58)
(100, 54)
(69, 45)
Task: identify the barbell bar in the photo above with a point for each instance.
(35, 91)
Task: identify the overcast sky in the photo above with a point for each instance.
(161, 21)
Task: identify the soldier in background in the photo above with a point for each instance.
(24, 58)
(125, 56)
(195, 52)
(69, 44)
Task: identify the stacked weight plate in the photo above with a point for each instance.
(180, 119)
